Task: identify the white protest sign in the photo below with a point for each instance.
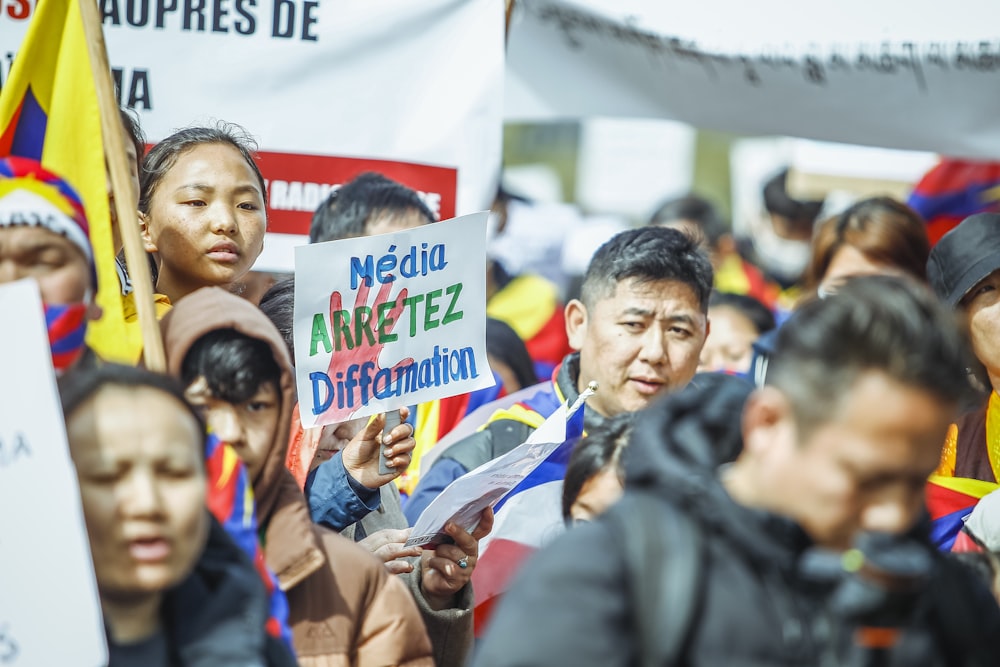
(50, 613)
(413, 90)
(909, 74)
(464, 499)
(390, 320)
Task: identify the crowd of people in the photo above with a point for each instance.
(749, 489)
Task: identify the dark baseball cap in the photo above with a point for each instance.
(964, 256)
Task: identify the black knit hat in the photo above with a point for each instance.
(964, 256)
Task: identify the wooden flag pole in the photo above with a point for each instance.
(121, 181)
(510, 10)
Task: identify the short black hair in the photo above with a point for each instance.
(888, 324)
(82, 383)
(503, 344)
(647, 254)
(800, 212)
(233, 364)
(696, 209)
(348, 209)
(600, 450)
(760, 316)
(278, 303)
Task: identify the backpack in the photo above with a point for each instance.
(664, 585)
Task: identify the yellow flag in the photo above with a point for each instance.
(49, 112)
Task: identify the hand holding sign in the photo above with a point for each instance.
(363, 341)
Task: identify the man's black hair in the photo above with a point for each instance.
(79, 385)
(234, 365)
(760, 316)
(347, 210)
(887, 324)
(278, 303)
(800, 212)
(647, 254)
(695, 209)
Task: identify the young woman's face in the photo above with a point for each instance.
(138, 454)
(206, 219)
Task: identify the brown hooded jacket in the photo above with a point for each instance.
(344, 607)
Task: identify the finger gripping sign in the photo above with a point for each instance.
(390, 320)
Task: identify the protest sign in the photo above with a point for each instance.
(464, 499)
(422, 336)
(875, 73)
(413, 90)
(47, 580)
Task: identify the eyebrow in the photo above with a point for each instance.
(645, 312)
(204, 187)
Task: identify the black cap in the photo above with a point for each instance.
(964, 256)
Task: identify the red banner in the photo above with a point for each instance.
(297, 184)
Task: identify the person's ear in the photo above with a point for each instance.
(767, 411)
(147, 239)
(576, 323)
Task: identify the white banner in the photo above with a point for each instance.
(420, 338)
(49, 609)
(908, 74)
(330, 89)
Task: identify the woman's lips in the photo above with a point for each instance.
(149, 550)
(227, 253)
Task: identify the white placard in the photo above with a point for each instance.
(464, 499)
(50, 613)
(909, 74)
(390, 320)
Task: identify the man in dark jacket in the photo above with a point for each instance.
(638, 329)
(809, 549)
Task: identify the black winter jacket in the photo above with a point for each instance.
(755, 605)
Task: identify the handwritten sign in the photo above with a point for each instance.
(464, 499)
(49, 608)
(422, 336)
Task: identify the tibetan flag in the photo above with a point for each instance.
(230, 500)
(526, 519)
(952, 191)
(949, 501)
(49, 112)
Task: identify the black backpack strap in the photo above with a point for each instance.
(664, 585)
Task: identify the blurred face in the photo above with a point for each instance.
(982, 308)
(57, 264)
(863, 470)
(138, 454)
(206, 219)
(334, 437)
(596, 495)
(249, 427)
(729, 348)
(133, 201)
(637, 343)
(849, 262)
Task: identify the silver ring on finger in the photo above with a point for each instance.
(463, 562)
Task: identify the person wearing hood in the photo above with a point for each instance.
(810, 548)
(344, 608)
(175, 589)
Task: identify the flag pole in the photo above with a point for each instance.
(509, 12)
(121, 181)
